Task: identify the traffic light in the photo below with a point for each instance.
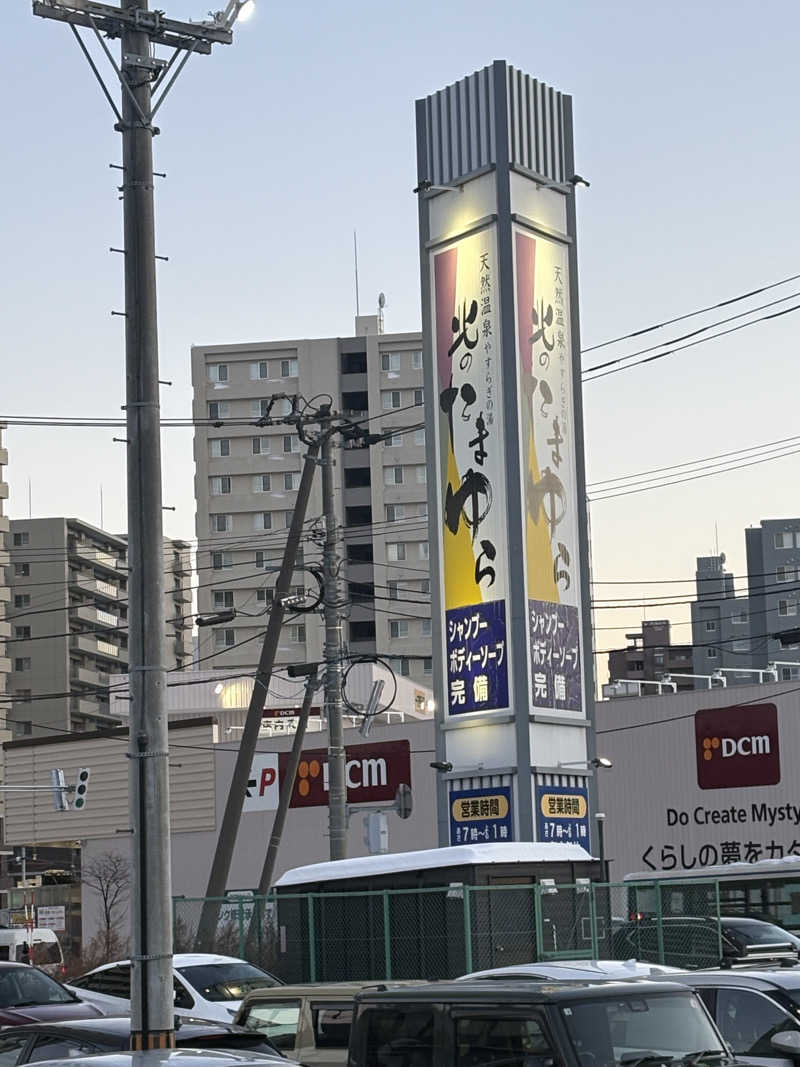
(81, 788)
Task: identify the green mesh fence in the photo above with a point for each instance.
(448, 931)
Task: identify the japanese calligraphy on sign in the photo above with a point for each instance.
(562, 814)
(549, 474)
(471, 471)
(480, 815)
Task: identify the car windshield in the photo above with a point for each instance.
(753, 932)
(226, 981)
(20, 986)
(278, 1019)
(643, 1029)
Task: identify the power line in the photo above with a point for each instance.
(692, 314)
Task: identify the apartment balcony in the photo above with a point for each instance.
(5, 555)
(5, 594)
(5, 665)
(3, 457)
(5, 629)
(92, 556)
(181, 564)
(85, 643)
(3, 490)
(94, 616)
(182, 595)
(87, 676)
(94, 587)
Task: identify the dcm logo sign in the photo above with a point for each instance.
(737, 746)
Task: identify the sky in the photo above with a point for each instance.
(279, 146)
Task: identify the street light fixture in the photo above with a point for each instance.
(597, 762)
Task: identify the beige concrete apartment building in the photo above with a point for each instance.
(5, 592)
(68, 621)
(246, 480)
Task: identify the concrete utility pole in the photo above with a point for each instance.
(139, 70)
(226, 841)
(332, 602)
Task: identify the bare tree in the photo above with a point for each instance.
(109, 875)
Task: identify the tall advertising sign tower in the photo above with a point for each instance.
(513, 663)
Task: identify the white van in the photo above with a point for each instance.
(46, 950)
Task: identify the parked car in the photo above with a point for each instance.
(579, 970)
(42, 944)
(28, 995)
(207, 986)
(694, 941)
(310, 1023)
(531, 1024)
(87, 1037)
(752, 1008)
(175, 1057)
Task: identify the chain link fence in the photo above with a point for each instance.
(444, 932)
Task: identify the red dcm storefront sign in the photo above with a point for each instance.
(372, 772)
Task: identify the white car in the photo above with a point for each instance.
(578, 970)
(207, 986)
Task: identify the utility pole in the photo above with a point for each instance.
(332, 603)
(226, 840)
(137, 72)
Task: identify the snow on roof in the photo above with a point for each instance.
(431, 858)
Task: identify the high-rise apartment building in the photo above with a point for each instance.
(5, 592)
(68, 615)
(246, 480)
(650, 656)
(720, 624)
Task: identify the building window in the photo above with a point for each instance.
(259, 408)
(424, 550)
(790, 674)
(291, 480)
(223, 598)
(296, 633)
(392, 475)
(22, 570)
(21, 539)
(220, 447)
(426, 628)
(416, 360)
(390, 361)
(218, 372)
(288, 368)
(221, 523)
(787, 607)
(218, 409)
(711, 625)
(419, 397)
(712, 653)
(398, 627)
(395, 551)
(260, 446)
(221, 486)
(425, 585)
(390, 399)
(262, 520)
(261, 483)
(22, 600)
(22, 633)
(224, 638)
(291, 443)
(259, 370)
(395, 441)
(784, 574)
(393, 588)
(422, 475)
(23, 663)
(787, 539)
(419, 436)
(395, 512)
(219, 560)
(261, 595)
(740, 620)
(405, 666)
(740, 646)
(427, 665)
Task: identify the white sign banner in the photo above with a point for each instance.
(541, 282)
(52, 917)
(263, 788)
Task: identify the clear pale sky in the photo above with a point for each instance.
(278, 147)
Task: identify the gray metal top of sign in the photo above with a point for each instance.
(457, 127)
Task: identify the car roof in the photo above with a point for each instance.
(533, 992)
(182, 1057)
(344, 990)
(180, 959)
(780, 978)
(120, 1026)
(622, 969)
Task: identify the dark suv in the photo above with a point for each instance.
(697, 941)
(531, 1024)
